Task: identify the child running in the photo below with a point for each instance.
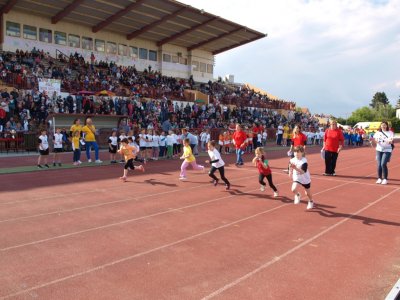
(298, 167)
(264, 171)
(136, 150)
(216, 164)
(188, 159)
(129, 154)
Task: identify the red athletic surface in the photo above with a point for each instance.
(83, 234)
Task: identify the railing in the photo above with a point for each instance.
(20, 141)
(20, 82)
(62, 55)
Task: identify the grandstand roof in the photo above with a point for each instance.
(161, 21)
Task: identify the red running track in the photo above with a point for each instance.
(83, 234)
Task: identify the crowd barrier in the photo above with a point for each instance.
(18, 142)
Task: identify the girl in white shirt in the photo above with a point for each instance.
(216, 164)
(384, 147)
(298, 168)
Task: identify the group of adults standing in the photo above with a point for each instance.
(332, 145)
(88, 135)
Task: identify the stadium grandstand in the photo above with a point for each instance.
(175, 39)
(121, 58)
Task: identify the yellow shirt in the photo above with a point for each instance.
(75, 142)
(127, 152)
(89, 133)
(187, 152)
(75, 128)
(286, 133)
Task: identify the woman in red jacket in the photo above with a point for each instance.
(239, 140)
(333, 143)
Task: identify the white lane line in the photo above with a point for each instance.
(138, 254)
(140, 218)
(290, 251)
(169, 210)
(127, 199)
(394, 292)
(161, 247)
(65, 195)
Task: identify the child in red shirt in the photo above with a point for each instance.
(264, 171)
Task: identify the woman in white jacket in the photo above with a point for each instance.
(384, 146)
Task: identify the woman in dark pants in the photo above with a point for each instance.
(333, 143)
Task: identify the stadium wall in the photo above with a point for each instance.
(170, 59)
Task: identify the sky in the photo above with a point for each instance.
(330, 56)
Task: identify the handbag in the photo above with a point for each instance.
(392, 145)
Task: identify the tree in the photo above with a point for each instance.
(362, 114)
(341, 121)
(384, 112)
(398, 103)
(379, 98)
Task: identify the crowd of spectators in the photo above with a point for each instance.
(147, 98)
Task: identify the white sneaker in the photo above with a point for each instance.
(98, 161)
(379, 181)
(262, 188)
(384, 181)
(310, 205)
(297, 198)
(182, 178)
(276, 194)
(89, 161)
(79, 162)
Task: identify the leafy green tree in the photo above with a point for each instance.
(398, 103)
(363, 114)
(379, 98)
(341, 121)
(384, 112)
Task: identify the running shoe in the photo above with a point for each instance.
(310, 205)
(297, 198)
